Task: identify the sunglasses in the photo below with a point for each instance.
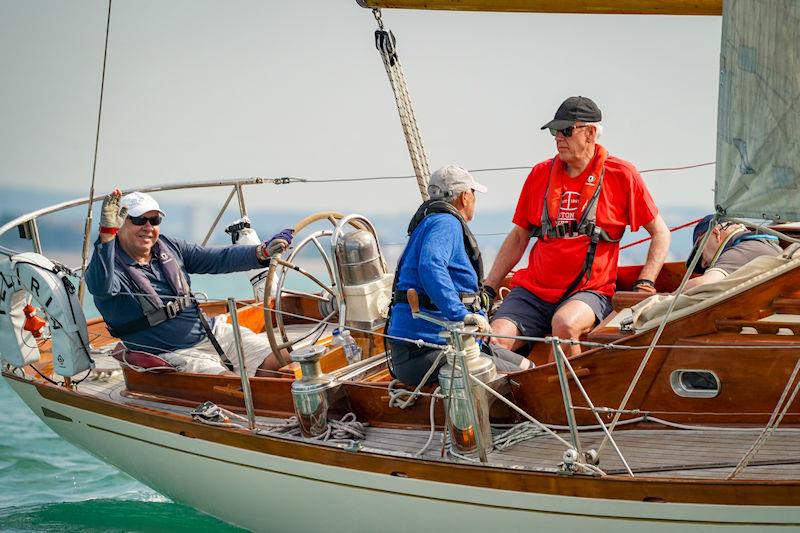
(567, 132)
(141, 221)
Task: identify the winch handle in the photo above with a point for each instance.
(413, 300)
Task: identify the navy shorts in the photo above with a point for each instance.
(533, 316)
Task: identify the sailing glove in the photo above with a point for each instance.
(112, 215)
(278, 243)
(475, 319)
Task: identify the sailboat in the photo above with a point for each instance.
(679, 412)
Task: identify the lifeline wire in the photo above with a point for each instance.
(571, 342)
(287, 179)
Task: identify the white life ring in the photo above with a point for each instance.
(35, 275)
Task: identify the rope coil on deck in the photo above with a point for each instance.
(347, 430)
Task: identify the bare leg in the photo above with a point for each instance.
(270, 363)
(501, 326)
(572, 320)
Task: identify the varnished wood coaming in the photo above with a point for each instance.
(669, 278)
(745, 492)
(751, 380)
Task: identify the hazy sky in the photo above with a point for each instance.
(206, 89)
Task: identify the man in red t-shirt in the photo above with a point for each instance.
(572, 268)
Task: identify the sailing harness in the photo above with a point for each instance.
(587, 223)
(471, 300)
(735, 238)
(155, 310)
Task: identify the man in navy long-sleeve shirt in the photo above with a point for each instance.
(442, 263)
(140, 283)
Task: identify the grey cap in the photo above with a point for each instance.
(450, 180)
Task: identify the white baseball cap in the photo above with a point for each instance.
(139, 203)
(450, 180)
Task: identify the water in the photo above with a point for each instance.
(46, 484)
(49, 485)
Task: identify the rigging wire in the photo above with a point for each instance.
(288, 180)
(88, 228)
(671, 230)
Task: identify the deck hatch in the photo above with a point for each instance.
(694, 383)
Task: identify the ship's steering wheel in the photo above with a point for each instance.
(327, 299)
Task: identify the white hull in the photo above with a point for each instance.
(263, 492)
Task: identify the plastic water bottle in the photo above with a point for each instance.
(352, 351)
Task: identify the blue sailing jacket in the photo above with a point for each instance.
(435, 263)
(112, 289)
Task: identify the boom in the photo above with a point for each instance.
(602, 7)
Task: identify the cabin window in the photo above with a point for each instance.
(692, 383)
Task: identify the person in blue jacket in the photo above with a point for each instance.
(140, 283)
(443, 264)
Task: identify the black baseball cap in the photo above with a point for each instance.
(699, 230)
(575, 109)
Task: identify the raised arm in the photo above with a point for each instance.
(101, 280)
(509, 255)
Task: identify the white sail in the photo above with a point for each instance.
(758, 140)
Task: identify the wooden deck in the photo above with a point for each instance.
(656, 453)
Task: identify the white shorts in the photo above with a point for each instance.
(202, 358)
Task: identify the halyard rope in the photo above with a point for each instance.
(385, 43)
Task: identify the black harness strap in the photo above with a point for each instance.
(214, 341)
(471, 300)
(587, 225)
(430, 207)
(154, 309)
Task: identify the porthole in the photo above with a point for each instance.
(694, 383)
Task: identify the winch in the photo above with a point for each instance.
(310, 393)
(457, 402)
(361, 273)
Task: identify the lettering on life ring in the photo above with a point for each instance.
(33, 275)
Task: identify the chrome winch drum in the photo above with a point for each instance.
(359, 258)
(310, 392)
(461, 424)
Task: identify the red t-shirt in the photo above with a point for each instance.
(553, 264)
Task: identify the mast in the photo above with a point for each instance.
(598, 7)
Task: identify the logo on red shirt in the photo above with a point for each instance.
(568, 210)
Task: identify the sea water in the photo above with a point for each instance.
(47, 485)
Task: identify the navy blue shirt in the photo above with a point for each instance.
(113, 289)
(435, 263)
